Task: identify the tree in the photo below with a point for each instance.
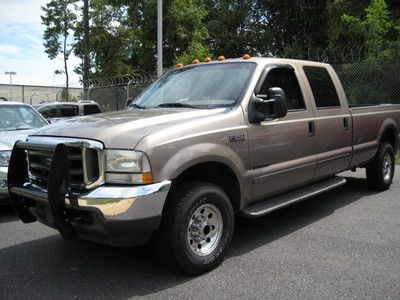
(375, 29)
(59, 20)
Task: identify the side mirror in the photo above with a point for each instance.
(270, 106)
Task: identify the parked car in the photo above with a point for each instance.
(17, 120)
(204, 142)
(57, 111)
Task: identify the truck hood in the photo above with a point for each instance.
(8, 138)
(124, 129)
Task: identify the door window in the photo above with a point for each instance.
(322, 87)
(68, 110)
(91, 109)
(48, 112)
(286, 79)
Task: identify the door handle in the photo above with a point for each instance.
(345, 124)
(311, 128)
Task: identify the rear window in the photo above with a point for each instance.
(322, 87)
(91, 109)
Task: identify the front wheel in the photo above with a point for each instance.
(381, 170)
(197, 227)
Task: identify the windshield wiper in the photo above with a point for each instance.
(177, 104)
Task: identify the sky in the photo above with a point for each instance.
(21, 46)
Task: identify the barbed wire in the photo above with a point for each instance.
(123, 80)
(337, 56)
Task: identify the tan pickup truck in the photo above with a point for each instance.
(202, 143)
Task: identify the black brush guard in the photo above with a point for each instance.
(23, 196)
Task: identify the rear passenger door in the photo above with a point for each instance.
(333, 123)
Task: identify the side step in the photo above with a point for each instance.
(290, 198)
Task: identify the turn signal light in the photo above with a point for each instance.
(195, 61)
(221, 57)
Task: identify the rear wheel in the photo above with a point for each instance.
(197, 227)
(381, 170)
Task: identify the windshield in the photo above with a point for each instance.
(19, 117)
(203, 86)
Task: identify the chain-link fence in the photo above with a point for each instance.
(367, 79)
(113, 92)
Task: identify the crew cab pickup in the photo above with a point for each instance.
(204, 142)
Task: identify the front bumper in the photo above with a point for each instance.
(3, 190)
(108, 214)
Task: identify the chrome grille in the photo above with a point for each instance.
(85, 163)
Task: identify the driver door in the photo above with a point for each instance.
(283, 151)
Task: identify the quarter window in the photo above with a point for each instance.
(322, 87)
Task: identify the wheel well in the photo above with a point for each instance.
(390, 136)
(215, 173)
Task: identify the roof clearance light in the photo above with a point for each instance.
(246, 56)
(195, 61)
(179, 65)
(221, 57)
(207, 59)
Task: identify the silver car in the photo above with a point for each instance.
(17, 121)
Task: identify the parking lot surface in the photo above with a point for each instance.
(342, 244)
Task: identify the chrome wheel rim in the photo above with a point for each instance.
(387, 167)
(204, 230)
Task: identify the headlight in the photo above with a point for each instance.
(127, 167)
(5, 158)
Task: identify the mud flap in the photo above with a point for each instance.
(57, 188)
(17, 176)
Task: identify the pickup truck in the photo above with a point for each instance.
(202, 143)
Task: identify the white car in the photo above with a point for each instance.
(17, 121)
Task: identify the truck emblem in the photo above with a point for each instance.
(237, 138)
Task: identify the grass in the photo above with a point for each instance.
(397, 157)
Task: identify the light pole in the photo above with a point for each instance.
(159, 38)
(11, 73)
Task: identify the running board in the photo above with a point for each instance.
(275, 203)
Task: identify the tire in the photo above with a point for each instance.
(196, 229)
(381, 170)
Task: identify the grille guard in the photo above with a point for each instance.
(58, 184)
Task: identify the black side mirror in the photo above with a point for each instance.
(270, 106)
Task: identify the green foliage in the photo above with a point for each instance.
(374, 28)
(123, 33)
(59, 20)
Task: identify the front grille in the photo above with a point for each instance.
(85, 166)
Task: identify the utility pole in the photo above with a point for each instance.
(159, 38)
(11, 73)
(86, 48)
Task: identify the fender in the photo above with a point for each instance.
(388, 123)
(208, 152)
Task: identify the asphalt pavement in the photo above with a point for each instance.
(342, 244)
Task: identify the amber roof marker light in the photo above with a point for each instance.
(207, 59)
(195, 61)
(246, 56)
(179, 65)
(221, 57)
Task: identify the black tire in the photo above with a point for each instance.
(377, 176)
(183, 207)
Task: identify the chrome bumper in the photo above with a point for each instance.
(117, 203)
